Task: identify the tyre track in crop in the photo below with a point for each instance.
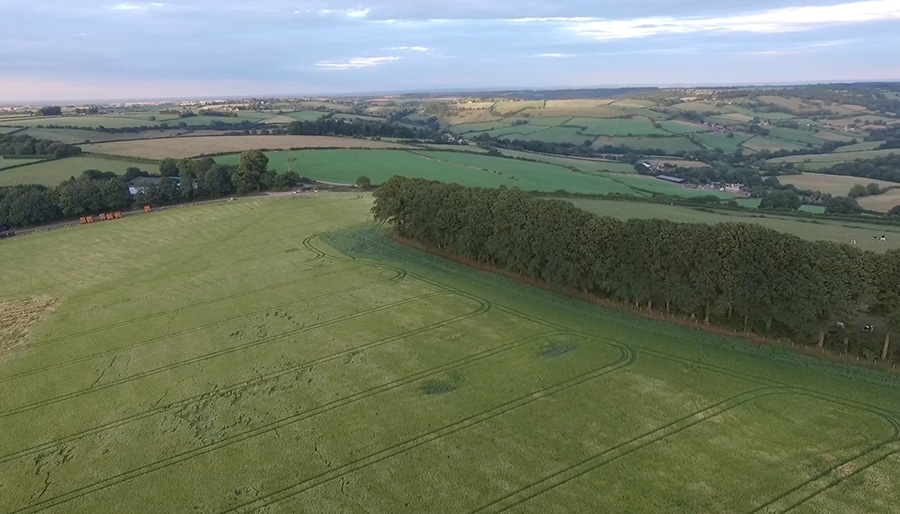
(644, 440)
(482, 308)
(172, 335)
(280, 423)
(626, 359)
(212, 355)
(176, 310)
(833, 476)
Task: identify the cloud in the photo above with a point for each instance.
(411, 48)
(136, 7)
(350, 13)
(555, 56)
(356, 63)
(787, 19)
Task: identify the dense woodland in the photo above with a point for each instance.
(27, 147)
(359, 128)
(739, 275)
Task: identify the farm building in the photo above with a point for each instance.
(668, 178)
(140, 184)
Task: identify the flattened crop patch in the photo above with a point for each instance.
(18, 316)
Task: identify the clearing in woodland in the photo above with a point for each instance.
(282, 355)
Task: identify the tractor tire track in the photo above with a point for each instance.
(278, 424)
(627, 359)
(483, 308)
(206, 326)
(168, 312)
(212, 355)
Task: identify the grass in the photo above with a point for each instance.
(77, 136)
(9, 163)
(586, 165)
(345, 166)
(193, 146)
(89, 122)
(616, 127)
(305, 115)
(51, 173)
(666, 144)
(761, 143)
(805, 228)
(859, 147)
(883, 202)
(682, 127)
(727, 144)
(225, 357)
(818, 161)
(837, 185)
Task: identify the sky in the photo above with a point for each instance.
(126, 49)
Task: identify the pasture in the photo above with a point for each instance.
(837, 185)
(812, 229)
(88, 122)
(51, 173)
(194, 146)
(881, 203)
(819, 161)
(10, 163)
(345, 166)
(257, 356)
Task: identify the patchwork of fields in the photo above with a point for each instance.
(239, 358)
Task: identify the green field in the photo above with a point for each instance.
(305, 115)
(677, 127)
(806, 228)
(615, 127)
(91, 122)
(586, 165)
(345, 166)
(666, 144)
(246, 357)
(727, 144)
(761, 143)
(51, 173)
(9, 163)
(818, 161)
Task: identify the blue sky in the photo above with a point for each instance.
(90, 49)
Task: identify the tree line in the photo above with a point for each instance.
(733, 274)
(95, 192)
(23, 147)
(359, 128)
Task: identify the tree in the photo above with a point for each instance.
(252, 165)
(873, 189)
(27, 205)
(895, 211)
(364, 182)
(187, 170)
(213, 182)
(53, 110)
(114, 194)
(781, 200)
(858, 191)
(168, 168)
(842, 205)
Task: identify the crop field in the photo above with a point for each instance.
(881, 203)
(345, 166)
(682, 127)
(51, 173)
(805, 228)
(838, 185)
(193, 146)
(256, 356)
(305, 115)
(859, 147)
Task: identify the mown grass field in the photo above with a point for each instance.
(805, 228)
(193, 146)
(838, 185)
(51, 173)
(245, 357)
(345, 166)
